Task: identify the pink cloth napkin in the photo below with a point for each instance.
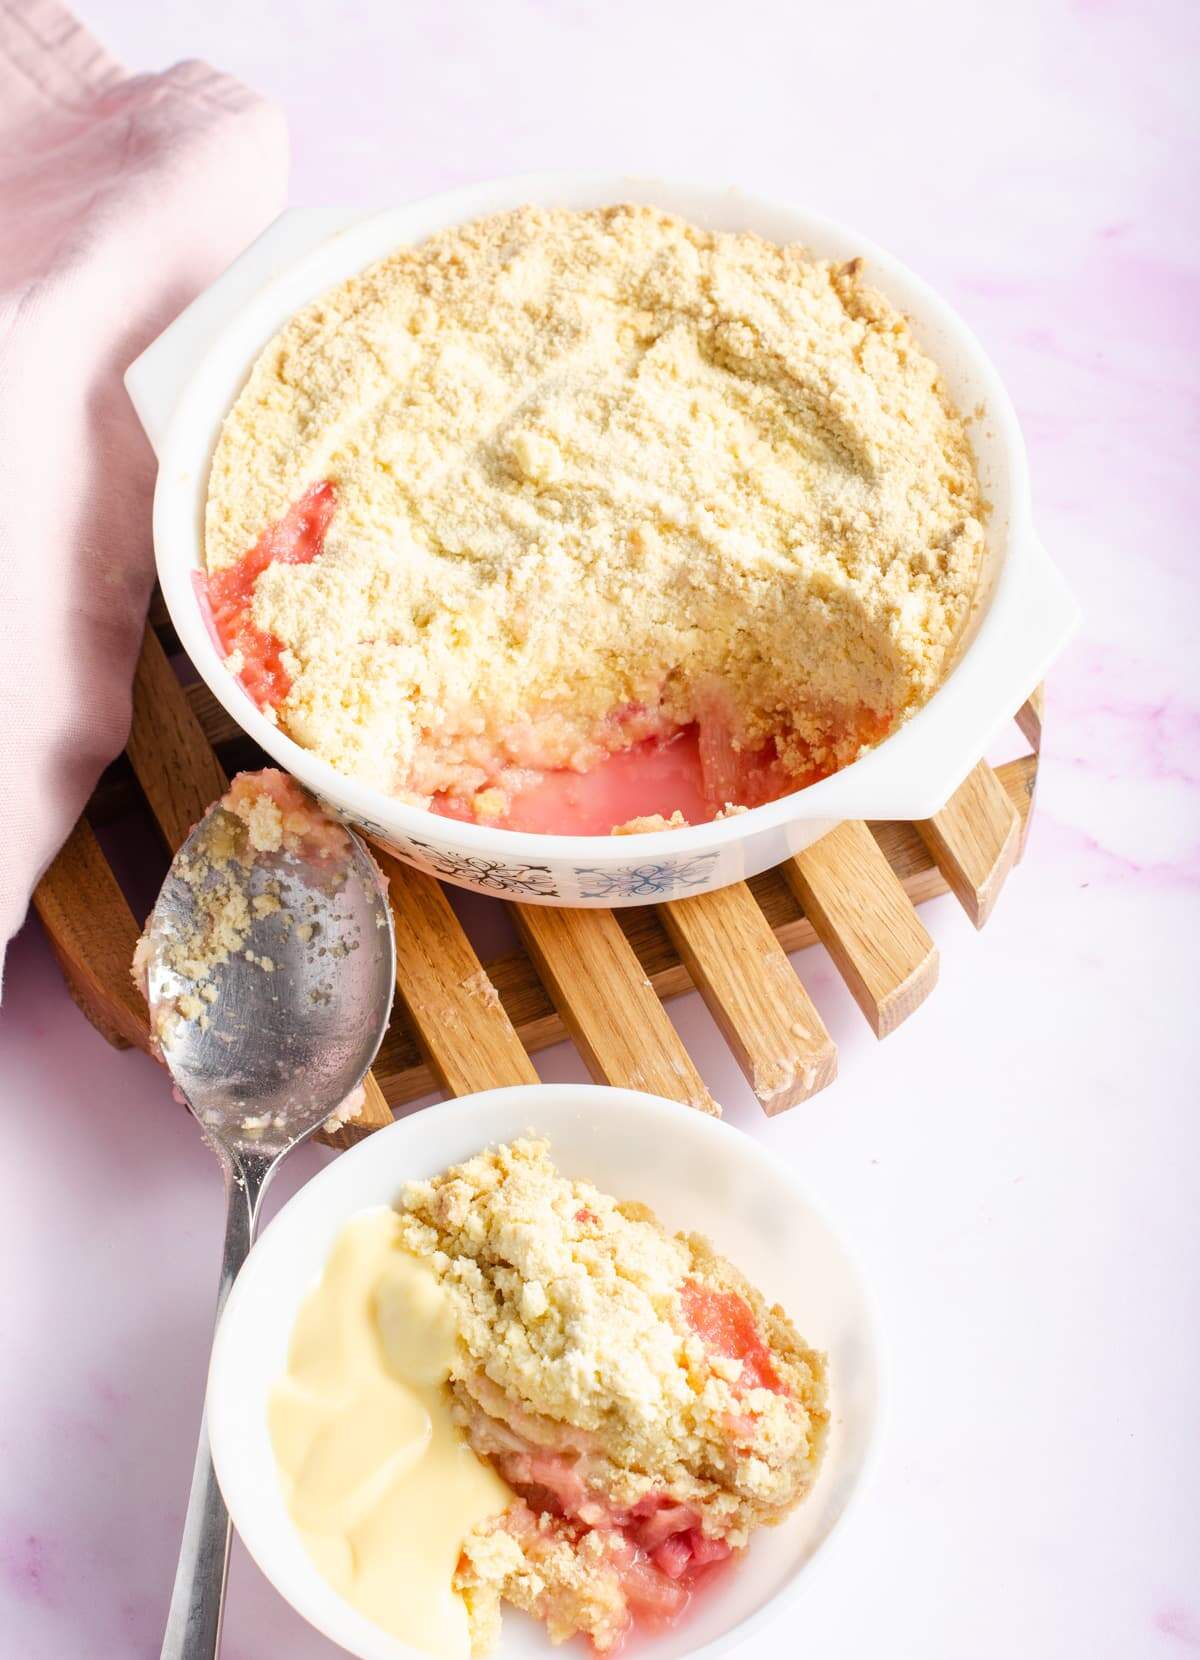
(120, 197)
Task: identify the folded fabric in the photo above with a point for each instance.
(120, 197)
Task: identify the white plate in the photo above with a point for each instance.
(697, 1174)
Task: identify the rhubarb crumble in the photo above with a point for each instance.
(559, 490)
(645, 1405)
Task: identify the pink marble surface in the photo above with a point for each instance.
(1017, 1165)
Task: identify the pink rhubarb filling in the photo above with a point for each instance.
(296, 539)
(657, 1548)
(654, 777)
(726, 1323)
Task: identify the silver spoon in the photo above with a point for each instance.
(263, 1046)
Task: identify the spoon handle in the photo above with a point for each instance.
(193, 1629)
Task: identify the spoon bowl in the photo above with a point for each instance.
(291, 1020)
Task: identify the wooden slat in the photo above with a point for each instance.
(753, 993)
(174, 763)
(181, 777)
(458, 1018)
(608, 1005)
(93, 933)
(974, 841)
(866, 922)
(217, 724)
(1030, 719)
(158, 617)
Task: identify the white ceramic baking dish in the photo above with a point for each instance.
(716, 1180)
(185, 382)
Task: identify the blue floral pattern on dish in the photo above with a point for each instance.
(493, 874)
(368, 826)
(645, 881)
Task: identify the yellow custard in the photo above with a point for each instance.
(378, 1478)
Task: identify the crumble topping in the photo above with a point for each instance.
(650, 821)
(631, 1385)
(595, 476)
(280, 816)
(268, 813)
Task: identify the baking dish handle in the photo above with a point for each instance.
(156, 379)
(1032, 616)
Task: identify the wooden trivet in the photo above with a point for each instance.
(600, 977)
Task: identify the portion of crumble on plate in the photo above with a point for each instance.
(638, 1394)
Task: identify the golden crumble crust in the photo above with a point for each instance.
(573, 1332)
(591, 460)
